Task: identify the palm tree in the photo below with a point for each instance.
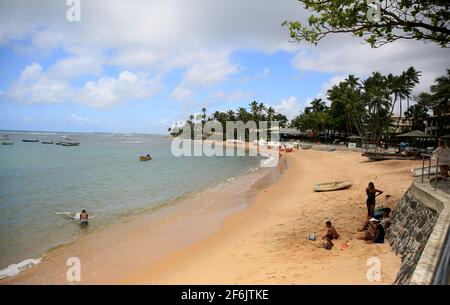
(318, 105)
(230, 115)
(242, 114)
(254, 109)
(417, 114)
(376, 95)
(270, 113)
(441, 94)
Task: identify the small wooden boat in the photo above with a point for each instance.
(70, 144)
(30, 141)
(66, 141)
(6, 140)
(144, 158)
(45, 142)
(332, 186)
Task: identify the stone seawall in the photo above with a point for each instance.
(418, 232)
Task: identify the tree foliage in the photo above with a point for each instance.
(378, 22)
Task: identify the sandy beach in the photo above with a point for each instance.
(265, 243)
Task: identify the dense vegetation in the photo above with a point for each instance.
(355, 107)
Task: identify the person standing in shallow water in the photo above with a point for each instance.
(84, 217)
(371, 192)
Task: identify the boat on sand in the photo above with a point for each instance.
(332, 186)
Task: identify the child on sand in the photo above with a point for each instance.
(329, 236)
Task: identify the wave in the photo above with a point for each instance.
(15, 269)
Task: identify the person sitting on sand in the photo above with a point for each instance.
(383, 218)
(375, 233)
(371, 192)
(84, 217)
(329, 236)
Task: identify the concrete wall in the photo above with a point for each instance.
(418, 232)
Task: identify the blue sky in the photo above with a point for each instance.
(139, 66)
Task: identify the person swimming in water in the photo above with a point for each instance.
(84, 217)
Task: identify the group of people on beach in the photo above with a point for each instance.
(374, 226)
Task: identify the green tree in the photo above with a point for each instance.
(393, 20)
(417, 114)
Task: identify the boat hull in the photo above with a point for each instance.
(332, 186)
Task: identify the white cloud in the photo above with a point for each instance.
(211, 68)
(110, 91)
(343, 54)
(262, 75)
(181, 93)
(36, 87)
(290, 107)
(81, 61)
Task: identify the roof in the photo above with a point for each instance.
(291, 131)
(415, 134)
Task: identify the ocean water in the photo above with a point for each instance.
(40, 185)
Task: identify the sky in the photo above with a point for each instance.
(139, 65)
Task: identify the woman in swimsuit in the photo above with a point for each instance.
(371, 192)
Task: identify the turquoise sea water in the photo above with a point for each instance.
(40, 184)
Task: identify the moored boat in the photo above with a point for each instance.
(29, 141)
(6, 140)
(332, 186)
(66, 141)
(47, 142)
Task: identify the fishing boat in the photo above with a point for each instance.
(145, 158)
(66, 141)
(47, 142)
(30, 141)
(6, 140)
(333, 186)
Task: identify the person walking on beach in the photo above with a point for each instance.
(371, 192)
(84, 217)
(443, 154)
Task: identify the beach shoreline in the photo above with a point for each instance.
(196, 215)
(267, 243)
(263, 242)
